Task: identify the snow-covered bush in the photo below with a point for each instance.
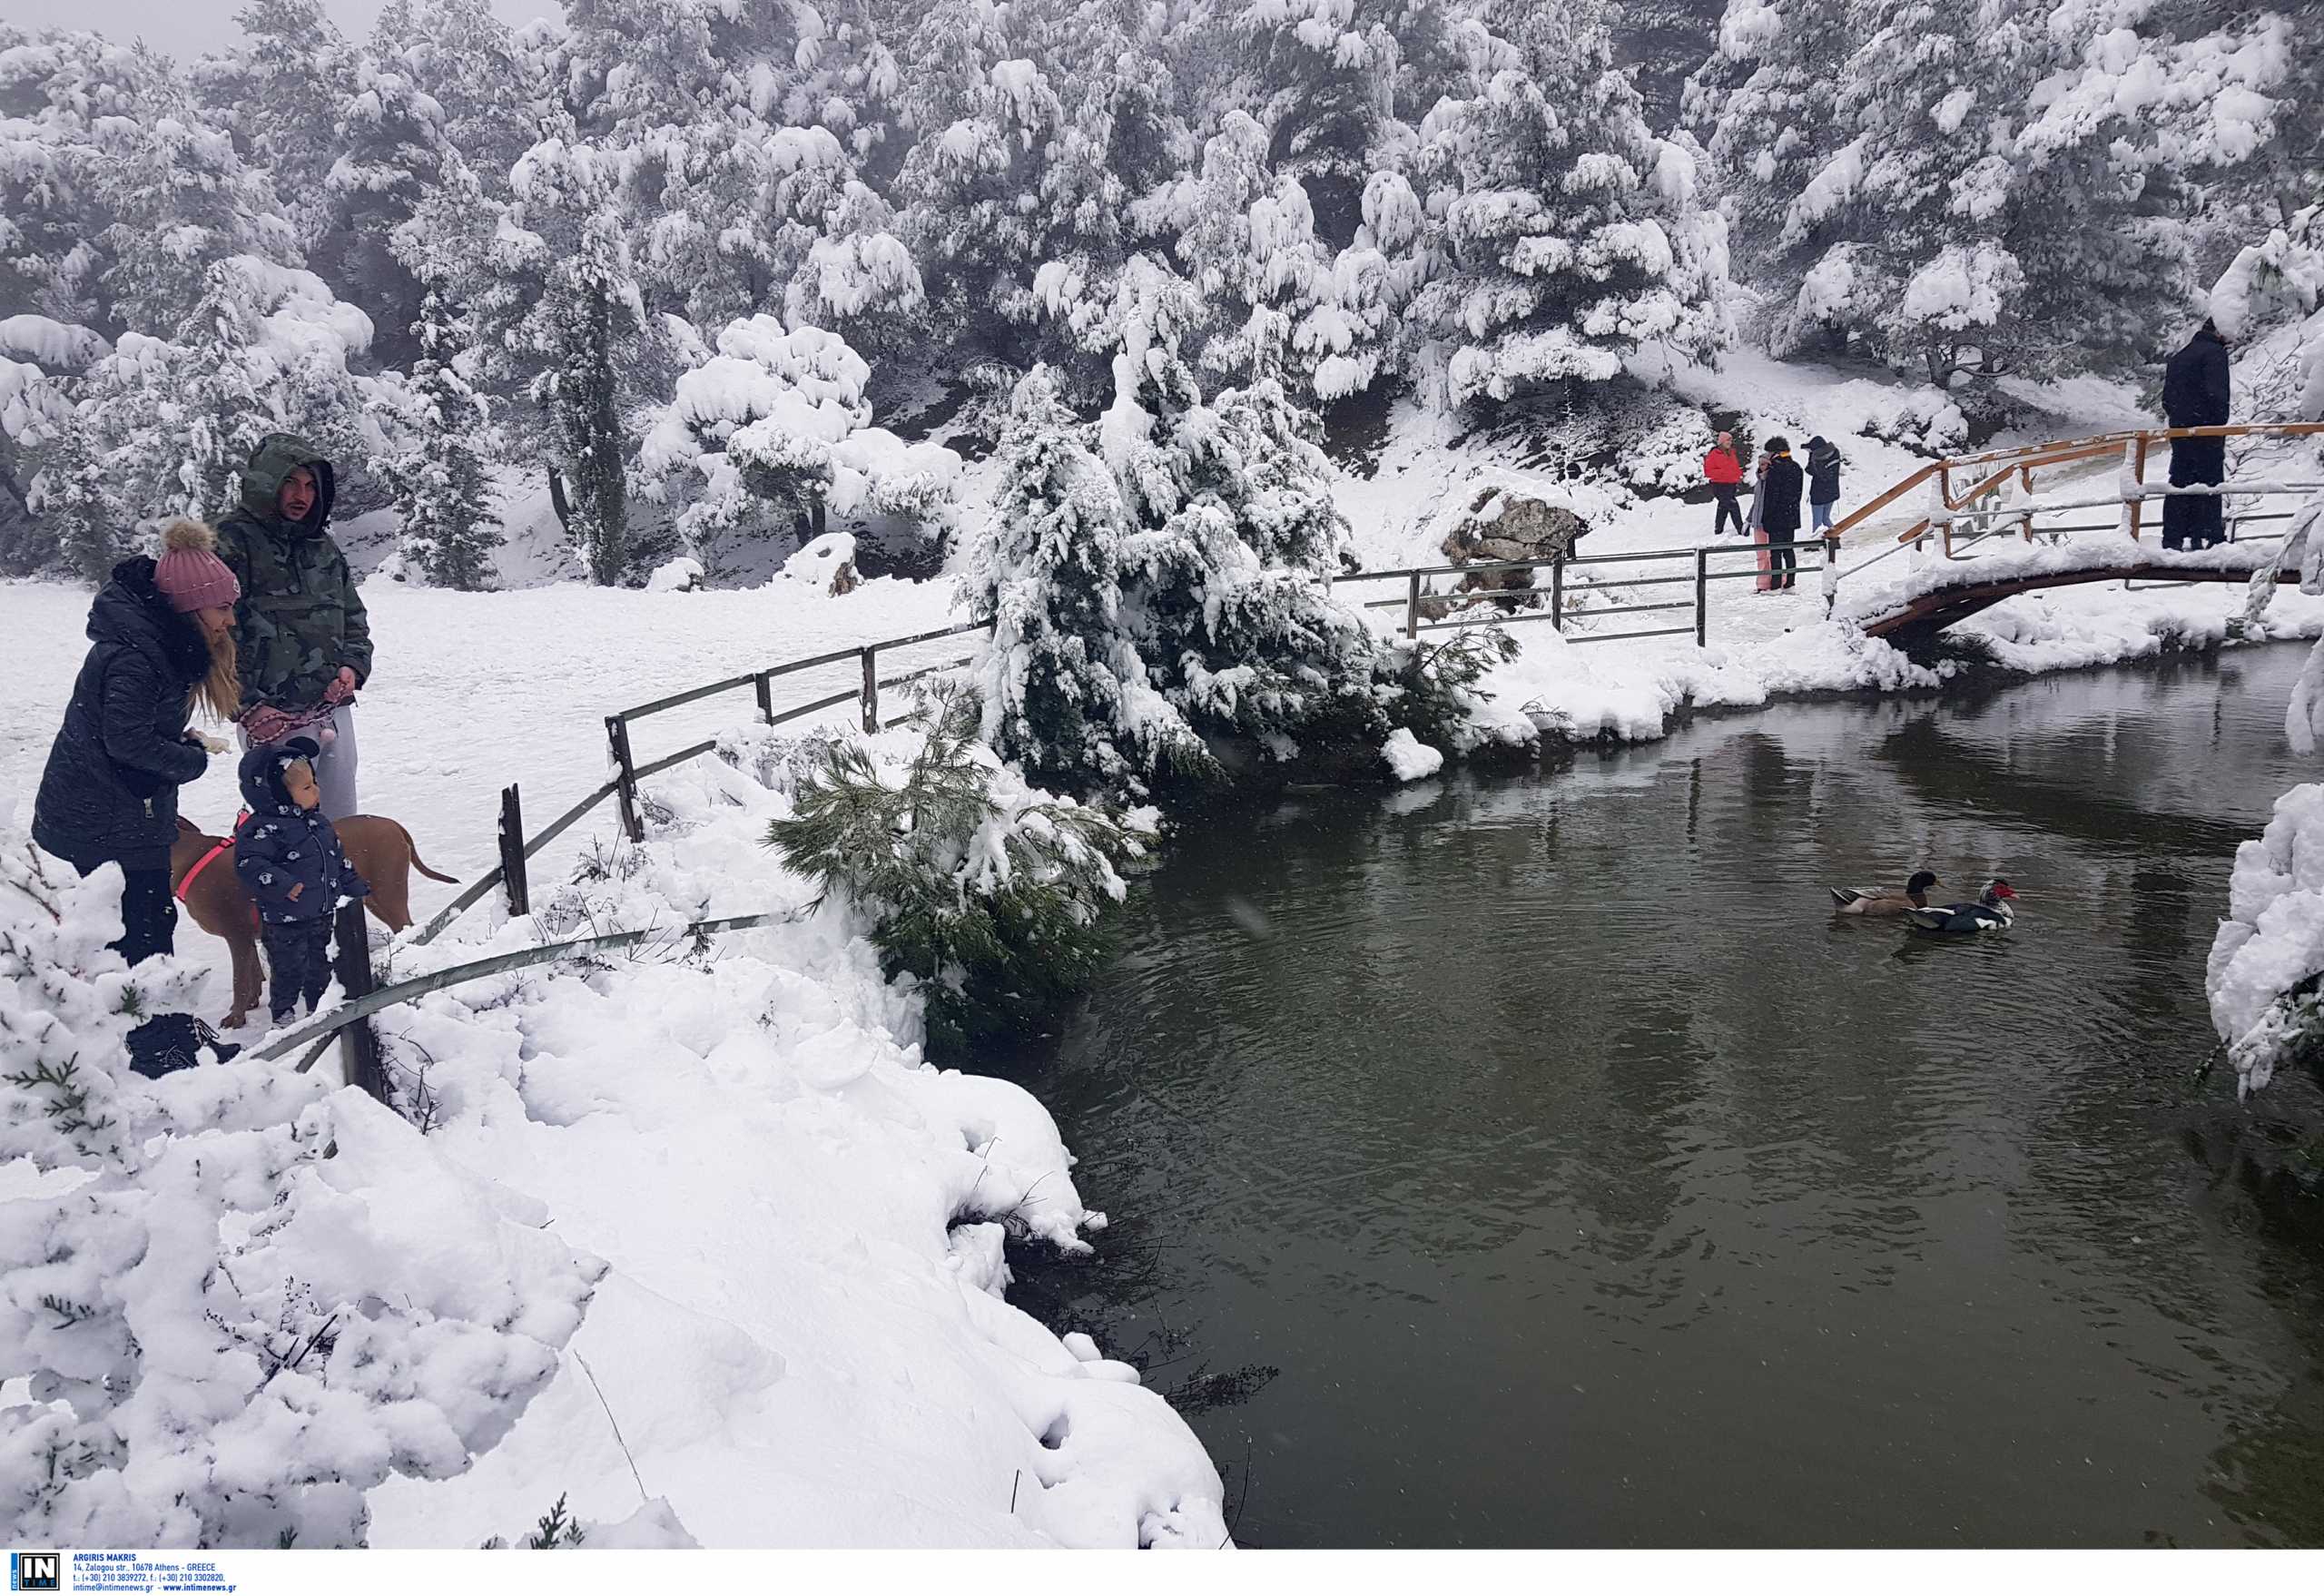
(772, 435)
(2273, 296)
(239, 1299)
(988, 891)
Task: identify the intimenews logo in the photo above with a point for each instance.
(35, 1570)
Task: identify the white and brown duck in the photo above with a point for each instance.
(1849, 901)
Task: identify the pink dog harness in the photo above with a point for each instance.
(224, 845)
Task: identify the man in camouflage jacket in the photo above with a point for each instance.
(300, 634)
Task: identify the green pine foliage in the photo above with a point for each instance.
(992, 893)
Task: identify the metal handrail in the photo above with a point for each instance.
(628, 772)
(322, 1027)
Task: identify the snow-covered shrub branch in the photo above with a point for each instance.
(240, 1300)
(988, 891)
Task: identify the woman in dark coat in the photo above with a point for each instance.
(1780, 489)
(161, 642)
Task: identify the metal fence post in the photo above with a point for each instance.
(1557, 595)
(1702, 596)
(512, 854)
(871, 690)
(1412, 606)
(359, 1043)
(624, 777)
(765, 685)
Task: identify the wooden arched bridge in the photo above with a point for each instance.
(1996, 539)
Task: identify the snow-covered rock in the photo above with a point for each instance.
(826, 564)
(682, 574)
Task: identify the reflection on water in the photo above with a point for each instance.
(1590, 1185)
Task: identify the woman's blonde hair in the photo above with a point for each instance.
(219, 693)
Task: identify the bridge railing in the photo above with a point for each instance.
(1963, 481)
(1968, 489)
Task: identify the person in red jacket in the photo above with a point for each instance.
(1724, 472)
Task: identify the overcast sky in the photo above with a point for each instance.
(185, 28)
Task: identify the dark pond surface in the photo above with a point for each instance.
(1589, 1185)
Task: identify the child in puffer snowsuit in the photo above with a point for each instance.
(288, 857)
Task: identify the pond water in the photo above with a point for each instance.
(1588, 1184)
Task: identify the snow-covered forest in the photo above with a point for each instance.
(1091, 306)
(709, 275)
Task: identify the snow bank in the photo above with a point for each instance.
(2271, 940)
(1409, 758)
(802, 1336)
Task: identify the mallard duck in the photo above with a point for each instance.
(1849, 901)
(1991, 911)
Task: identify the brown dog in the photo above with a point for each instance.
(379, 848)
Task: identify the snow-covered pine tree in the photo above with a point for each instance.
(1979, 190)
(734, 217)
(1247, 240)
(38, 357)
(1158, 575)
(461, 55)
(53, 201)
(280, 92)
(177, 199)
(556, 289)
(442, 489)
(81, 523)
(1325, 72)
(991, 893)
(1572, 234)
(394, 153)
(1014, 169)
(1064, 692)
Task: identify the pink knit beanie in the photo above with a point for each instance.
(189, 573)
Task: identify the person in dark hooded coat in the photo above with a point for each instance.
(1823, 480)
(288, 854)
(302, 631)
(2196, 392)
(160, 645)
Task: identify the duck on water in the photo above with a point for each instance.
(1849, 901)
(1992, 911)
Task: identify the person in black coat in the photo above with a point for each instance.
(1823, 480)
(2195, 393)
(1779, 490)
(161, 642)
(288, 854)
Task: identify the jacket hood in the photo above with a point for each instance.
(1821, 449)
(278, 455)
(260, 773)
(131, 611)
